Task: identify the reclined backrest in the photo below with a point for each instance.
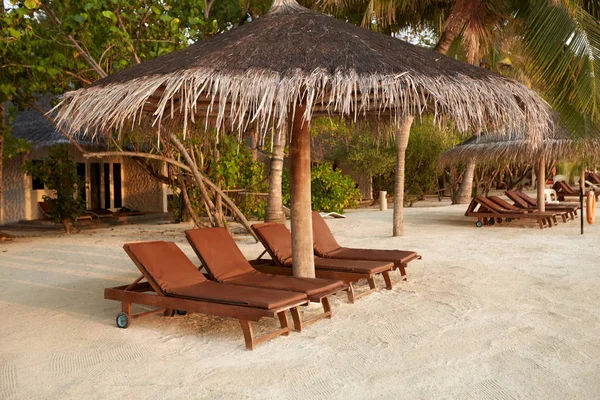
(517, 199)
(323, 240)
(502, 203)
(530, 200)
(277, 238)
(218, 252)
(165, 264)
(488, 204)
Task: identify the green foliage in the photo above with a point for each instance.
(50, 46)
(59, 174)
(331, 190)
(14, 147)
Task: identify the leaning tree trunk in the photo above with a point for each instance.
(275, 202)
(466, 186)
(402, 136)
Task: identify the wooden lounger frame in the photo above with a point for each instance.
(273, 266)
(149, 293)
(510, 207)
(490, 211)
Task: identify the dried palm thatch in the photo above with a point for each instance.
(515, 149)
(258, 72)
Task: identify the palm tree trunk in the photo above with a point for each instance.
(274, 201)
(302, 234)
(541, 196)
(402, 136)
(466, 186)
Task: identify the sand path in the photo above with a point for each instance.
(504, 312)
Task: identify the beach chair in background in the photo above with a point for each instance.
(592, 177)
(277, 240)
(510, 207)
(564, 190)
(225, 263)
(522, 200)
(44, 207)
(488, 213)
(326, 246)
(172, 282)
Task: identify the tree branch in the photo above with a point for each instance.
(85, 54)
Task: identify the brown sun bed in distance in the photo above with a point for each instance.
(326, 246)
(174, 283)
(277, 240)
(564, 190)
(511, 207)
(488, 212)
(225, 263)
(526, 202)
(592, 177)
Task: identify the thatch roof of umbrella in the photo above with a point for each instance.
(515, 149)
(259, 71)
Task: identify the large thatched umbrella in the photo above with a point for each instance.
(516, 149)
(294, 63)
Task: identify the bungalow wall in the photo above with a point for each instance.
(111, 183)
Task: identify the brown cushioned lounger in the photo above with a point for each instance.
(326, 246)
(225, 263)
(489, 212)
(277, 240)
(521, 199)
(174, 283)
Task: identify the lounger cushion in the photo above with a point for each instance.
(357, 266)
(267, 299)
(309, 286)
(323, 240)
(279, 239)
(167, 264)
(398, 257)
(219, 253)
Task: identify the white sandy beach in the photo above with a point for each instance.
(502, 312)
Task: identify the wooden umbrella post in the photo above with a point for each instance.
(541, 197)
(302, 235)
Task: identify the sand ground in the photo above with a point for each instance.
(503, 312)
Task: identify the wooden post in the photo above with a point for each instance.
(302, 235)
(541, 177)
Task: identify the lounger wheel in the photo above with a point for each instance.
(122, 320)
(499, 220)
(169, 313)
(508, 219)
(479, 224)
(491, 221)
(181, 312)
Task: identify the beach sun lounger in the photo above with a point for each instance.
(564, 190)
(525, 202)
(225, 263)
(488, 212)
(172, 282)
(277, 240)
(511, 207)
(326, 246)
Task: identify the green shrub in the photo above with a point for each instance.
(59, 174)
(331, 190)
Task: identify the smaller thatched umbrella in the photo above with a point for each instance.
(486, 149)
